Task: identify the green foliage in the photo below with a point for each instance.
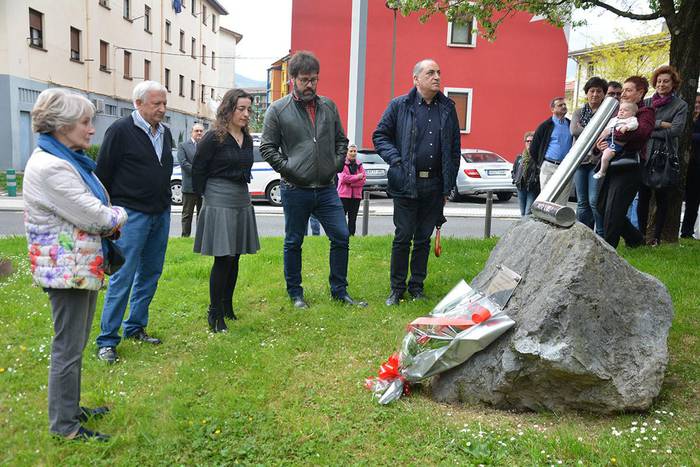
(285, 386)
(93, 151)
(632, 56)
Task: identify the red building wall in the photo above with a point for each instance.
(513, 78)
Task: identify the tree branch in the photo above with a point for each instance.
(626, 14)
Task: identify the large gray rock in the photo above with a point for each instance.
(590, 330)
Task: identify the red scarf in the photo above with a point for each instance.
(659, 101)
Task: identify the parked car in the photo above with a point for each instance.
(481, 171)
(176, 182)
(265, 183)
(375, 169)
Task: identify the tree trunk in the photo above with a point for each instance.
(685, 56)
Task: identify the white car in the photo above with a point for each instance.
(265, 182)
(481, 171)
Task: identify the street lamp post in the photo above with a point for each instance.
(393, 50)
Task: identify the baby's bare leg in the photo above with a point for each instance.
(608, 154)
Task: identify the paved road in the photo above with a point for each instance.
(465, 219)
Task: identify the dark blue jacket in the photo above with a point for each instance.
(395, 141)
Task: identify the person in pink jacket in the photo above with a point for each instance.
(350, 182)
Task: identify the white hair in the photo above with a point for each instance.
(57, 108)
(142, 89)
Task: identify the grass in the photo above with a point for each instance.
(286, 386)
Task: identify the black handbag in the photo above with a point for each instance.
(114, 258)
(662, 170)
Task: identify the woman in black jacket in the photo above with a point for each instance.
(226, 227)
(526, 177)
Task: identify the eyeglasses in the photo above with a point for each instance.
(615, 94)
(306, 81)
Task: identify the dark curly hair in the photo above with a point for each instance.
(596, 82)
(303, 62)
(667, 70)
(225, 112)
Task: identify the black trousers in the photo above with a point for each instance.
(692, 198)
(351, 206)
(620, 186)
(189, 202)
(661, 196)
(415, 221)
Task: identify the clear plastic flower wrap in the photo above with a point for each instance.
(464, 322)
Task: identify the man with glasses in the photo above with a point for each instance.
(551, 143)
(614, 90)
(303, 140)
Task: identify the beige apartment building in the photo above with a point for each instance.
(103, 48)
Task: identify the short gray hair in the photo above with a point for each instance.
(142, 89)
(57, 108)
(418, 67)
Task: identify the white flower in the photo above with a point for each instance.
(657, 421)
(634, 423)
(668, 451)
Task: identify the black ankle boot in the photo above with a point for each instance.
(220, 323)
(211, 318)
(228, 310)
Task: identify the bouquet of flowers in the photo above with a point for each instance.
(464, 322)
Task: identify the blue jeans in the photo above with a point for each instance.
(632, 213)
(526, 198)
(587, 189)
(143, 241)
(324, 203)
(315, 225)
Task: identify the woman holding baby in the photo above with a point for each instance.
(623, 176)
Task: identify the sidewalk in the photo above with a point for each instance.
(16, 204)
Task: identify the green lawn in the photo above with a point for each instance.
(286, 386)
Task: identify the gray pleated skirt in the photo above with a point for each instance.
(226, 226)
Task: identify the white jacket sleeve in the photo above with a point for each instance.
(67, 195)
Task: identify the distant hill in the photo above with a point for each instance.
(248, 83)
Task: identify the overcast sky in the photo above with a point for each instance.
(266, 29)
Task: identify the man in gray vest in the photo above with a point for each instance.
(190, 199)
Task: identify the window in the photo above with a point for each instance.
(146, 70)
(167, 79)
(104, 56)
(104, 3)
(182, 41)
(75, 44)
(181, 86)
(462, 97)
(213, 56)
(192, 89)
(125, 111)
(203, 91)
(194, 5)
(204, 54)
(591, 69)
(213, 22)
(203, 14)
(127, 65)
(211, 93)
(36, 29)
(167, 32)
(127, 9)
(111, 110)
(147, 18)
(462, 34)
(193, 52)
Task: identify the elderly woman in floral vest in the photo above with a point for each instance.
(67, 220)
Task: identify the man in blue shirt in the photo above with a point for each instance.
(550, 144)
